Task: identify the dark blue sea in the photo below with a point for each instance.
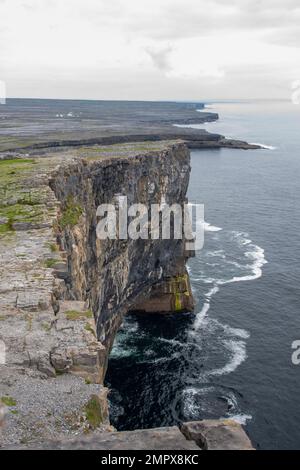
(232, 357)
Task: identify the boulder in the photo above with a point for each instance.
(217, 435)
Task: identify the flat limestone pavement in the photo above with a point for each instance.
(192, 436)
(168, 438)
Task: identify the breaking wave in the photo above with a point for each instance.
(239, 260)
(264, 146)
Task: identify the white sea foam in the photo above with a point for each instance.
(173, 342)
(237, 350)
(211, 228)
(119, 351)
(235, 415)
(205, 280)
(193, 404)
(212, 292)
(203, 312)
(207, 106)
(240, 418)
(220, 253)
(236, 332)
(160, 360)
(257, 256)
(183, 125)
(264, 146)
(200, 317)
(191, 408)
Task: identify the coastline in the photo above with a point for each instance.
(54, 281)
(151, 122)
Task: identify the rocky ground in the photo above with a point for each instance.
(43, 408)
(193, 436)
(32, 124)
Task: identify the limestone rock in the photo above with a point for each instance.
(2, 414)
(168, 438)
(169, 296)
(217, 435)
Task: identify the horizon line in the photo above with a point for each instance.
(201, 100)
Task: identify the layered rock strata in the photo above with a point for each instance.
(63, 291)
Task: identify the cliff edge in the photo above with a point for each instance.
(64, 292)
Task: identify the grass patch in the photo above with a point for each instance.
(11, 188)
(51, 262)
(18, 211)
(8, 227)
(15, 161)
(93, 412)
(75, 315)
(46, 327)
(70, 214)
(29, 200)
(8, 401)
(89, 328)
(52, 247)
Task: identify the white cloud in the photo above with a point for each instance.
(142, 49)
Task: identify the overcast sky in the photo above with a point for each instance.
(150, 49)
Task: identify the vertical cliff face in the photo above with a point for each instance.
(115, 276)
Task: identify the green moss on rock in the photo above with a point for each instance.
(76, 315)
(8, 401)
(93, 412)
(88, 327)
(70, 214)
(51, 262)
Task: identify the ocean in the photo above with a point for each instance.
(232, 357)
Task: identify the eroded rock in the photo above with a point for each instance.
(217, 435)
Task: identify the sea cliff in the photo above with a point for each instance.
(64, 292)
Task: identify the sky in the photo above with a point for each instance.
(150, 49)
